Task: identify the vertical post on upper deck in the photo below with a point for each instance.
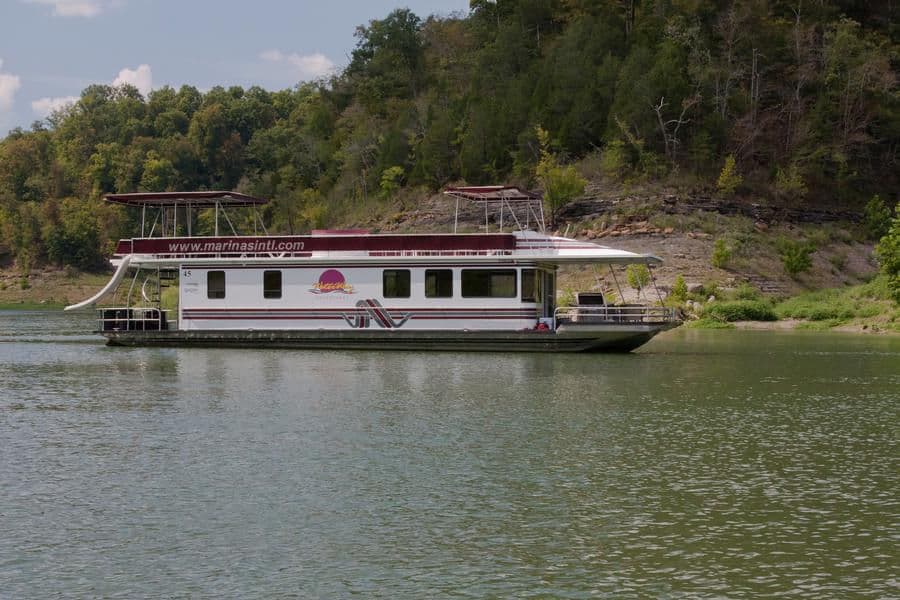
(143, 217)
(217, 218)
(456, 215)
(175, 220)
(187, 216)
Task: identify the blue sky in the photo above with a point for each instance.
(52, 49)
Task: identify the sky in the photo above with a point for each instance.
(50, 50)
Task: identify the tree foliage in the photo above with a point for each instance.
(888, 251)
(804, 97)
(561, 183)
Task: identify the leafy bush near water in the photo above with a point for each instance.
(740, 310)
(837, 305)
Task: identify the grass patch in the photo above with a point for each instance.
(837, 306)
(818, 325)
(740, 310)
(708, 324)
(31, 305)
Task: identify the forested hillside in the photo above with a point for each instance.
(797, 101)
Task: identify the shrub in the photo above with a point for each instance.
(391, 178)
(566, 298)
(838, 261)
(729, 178)
(740, 310)
(888, 252)
(679, 289)
(721, 254)
(824, 305)
(745, 291)
(795, 256)
(561, 183)
(789, 183)
(638, 276)
(615, 162)
(877, 219)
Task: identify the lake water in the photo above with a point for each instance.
(708, 464)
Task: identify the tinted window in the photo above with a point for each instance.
(438, 283)
(395, 283)
(529, 287)
(489, 283)
(215, 284)
(271, 284)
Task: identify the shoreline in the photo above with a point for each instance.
(804, 325)
(780, 325)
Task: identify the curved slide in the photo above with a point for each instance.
(116, 278)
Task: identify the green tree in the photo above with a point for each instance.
(679, 291)
(638, 276)
(561, 183)
(158, 175)
(888, 252)
(729, 178)
(390, 181)
(877, 218)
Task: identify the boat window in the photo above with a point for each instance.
(438, 283)
(529, 287)
(489, 283)
(271, 284)
(215, 284)
(395, 283)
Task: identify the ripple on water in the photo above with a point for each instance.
(720, 466)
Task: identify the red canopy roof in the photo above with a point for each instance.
(198, 199)
(490, 192)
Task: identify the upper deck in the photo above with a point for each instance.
(162, 240)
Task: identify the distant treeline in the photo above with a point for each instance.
(800, 97)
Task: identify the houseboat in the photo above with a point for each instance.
(488, 291)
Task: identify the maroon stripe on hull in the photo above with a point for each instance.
(342, 243)
(353, 308)
(338, 317)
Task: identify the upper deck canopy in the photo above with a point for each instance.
(519, 205)
(491, 192)
(208, 199)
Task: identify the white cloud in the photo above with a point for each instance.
(141, 78)
(9, 85)
(74, 8)
(44, 106)
(309, 66)
(272, 55)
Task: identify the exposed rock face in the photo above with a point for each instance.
(763, 215)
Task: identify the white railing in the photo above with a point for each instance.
(592, 315)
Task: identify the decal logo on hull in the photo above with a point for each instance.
(331, 281)
(372, 310)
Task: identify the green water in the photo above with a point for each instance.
(718, 464)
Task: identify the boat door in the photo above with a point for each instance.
(547, 286)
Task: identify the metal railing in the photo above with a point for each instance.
(631, 314)
(133, 319)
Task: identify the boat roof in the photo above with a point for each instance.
(203, 199)
(362, 249)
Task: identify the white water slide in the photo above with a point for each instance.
(109, 288)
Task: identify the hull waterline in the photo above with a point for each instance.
(613, 339)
